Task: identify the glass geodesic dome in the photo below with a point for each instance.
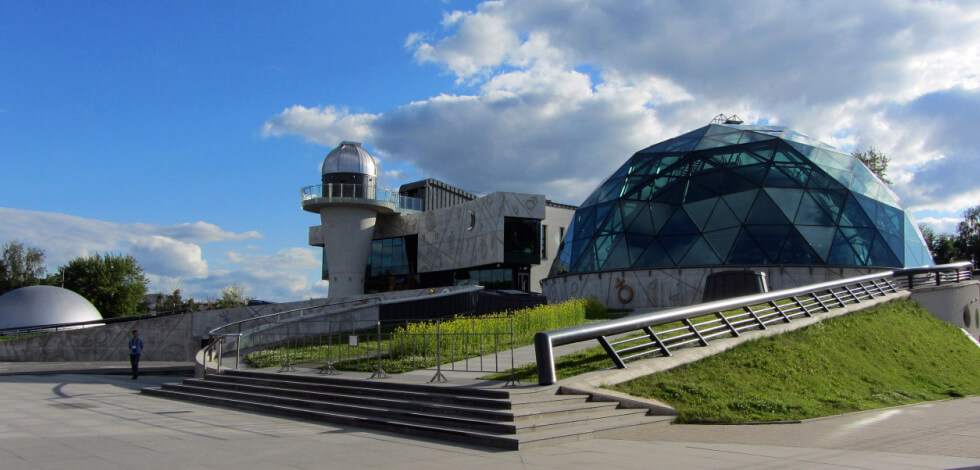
(740, 195)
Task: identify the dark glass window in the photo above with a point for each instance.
(522, 238)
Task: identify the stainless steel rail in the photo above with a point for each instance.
(701, 322)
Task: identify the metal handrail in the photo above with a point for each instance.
(348, 191)
(806, 300)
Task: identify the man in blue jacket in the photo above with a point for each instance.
(135, 349)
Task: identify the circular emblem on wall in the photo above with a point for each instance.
(623, 291)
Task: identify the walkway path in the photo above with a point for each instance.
(102, 422)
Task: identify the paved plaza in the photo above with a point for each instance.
(103, 422)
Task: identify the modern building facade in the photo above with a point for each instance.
(731, 197)
(427, 234)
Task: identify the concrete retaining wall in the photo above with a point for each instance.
(957, 303)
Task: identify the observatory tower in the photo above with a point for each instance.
(348, 202)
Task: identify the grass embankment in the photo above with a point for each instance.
(414, 346)
(892, 354)
(888, 355)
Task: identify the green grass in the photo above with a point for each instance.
(413, 346)
(888, 355)
(23, 336)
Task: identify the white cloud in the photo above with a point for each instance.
(170, 254)
(555, 95)
(942, 224)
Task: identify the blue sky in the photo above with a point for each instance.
(182, 132)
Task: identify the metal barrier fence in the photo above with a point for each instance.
(659, 333)
(340, 191)
(331, 345)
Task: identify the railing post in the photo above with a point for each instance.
(238, 347)
(439, 377)
(379, 373)
(545, 357)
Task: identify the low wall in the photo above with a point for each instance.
(957, 303)
(170, 338)
(675, 287)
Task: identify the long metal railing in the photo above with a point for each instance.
(659, 333)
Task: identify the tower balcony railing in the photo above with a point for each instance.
(349, 192)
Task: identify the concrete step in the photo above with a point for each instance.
(360, 410)
(505, 419)
(378, 384)
(351, 390)
(487, 439)
(560, 435)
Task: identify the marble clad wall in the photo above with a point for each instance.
(666, 288)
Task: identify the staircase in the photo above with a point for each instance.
(506, 419)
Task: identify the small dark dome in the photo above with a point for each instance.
(350, 157)
(44, 305)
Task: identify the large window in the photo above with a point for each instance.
(522, 240)
(544, 241)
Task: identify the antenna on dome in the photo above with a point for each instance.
(722, 119)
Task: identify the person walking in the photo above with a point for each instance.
(135, 349)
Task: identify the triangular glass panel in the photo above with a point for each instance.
(751, 136)
(733, 183)
(715, 129)
(765, 212)
(810, 213)
(843, 177)
(673, 194)
(854, 215)
(611, 190)
(912, 232)
(917, 255)
(890, 220)
(603, 246)
(887, 196)
(754, 173)
(819, 238)
(642, 223)
(770, 238)
(700, 211)
(601, 212)
(654, 257)
(586, 261)
(677, 142)
(721, 218)
(805, 150)
(591, 200)
(584, 222)
(860, 240)
(869, 205)
(697, 192)
(883, 256)
(777, 178)
(748, 158)
(796, 250)
(709, 143)
(832, 202)
(763, 152)
(741, 203)
(637, 244)
(788, 200)
(711, 180)
(721, 240)
(661, 214)
(700, 254)
(819, 179)
(613, 222)
(864, 182)
(724, 159)
(679, 224)
(677, 245)
(630, 210)
(618, 257)
(746, 251)
(787, 156)
(841, 253)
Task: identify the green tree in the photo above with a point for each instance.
(114, 283)
(20, 266)
(175, 301)
(941, 245)
(876, 161)
(968, 235)
(232, 296)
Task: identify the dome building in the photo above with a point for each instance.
(731, 197)
(44, 305)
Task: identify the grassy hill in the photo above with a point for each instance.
(892, 354)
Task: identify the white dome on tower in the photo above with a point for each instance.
(350, 157)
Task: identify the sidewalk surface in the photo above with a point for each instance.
(103, 422)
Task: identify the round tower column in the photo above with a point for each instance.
(347, 233)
